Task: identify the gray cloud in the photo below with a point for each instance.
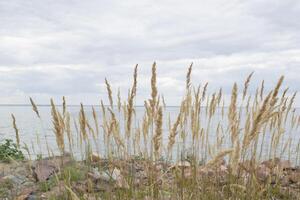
(54, 48)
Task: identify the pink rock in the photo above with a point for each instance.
(285, 164)
(294, 177)
(43, 170)
(263, 172)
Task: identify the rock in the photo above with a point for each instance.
(43, 170)
(102, 187)
(271, 163)
(94, 175)
(80, 187)
(22, 197)
(285, 181)
(108, 178)
(32, 197)
(222, 162)
(28, 184)
(277, 163)
(294, 177)
(56, 191)
(205, 171)
(104, 176)
(89, 197)
(223, 170)
(181, 164)
(140, 178)
(159, 167)
(95, 157)
(188, 173)
(285, 164)
(246, 166)
(119, 178)
(115, 174)
(17, 180)
(263, 172)
(26, 194)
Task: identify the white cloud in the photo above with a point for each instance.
(54, 48)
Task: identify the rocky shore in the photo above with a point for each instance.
(54, 178)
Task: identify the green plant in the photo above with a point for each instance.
(73, 173)
(47, 185)
(9, 151)
(39, 157)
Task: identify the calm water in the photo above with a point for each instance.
(32, 128)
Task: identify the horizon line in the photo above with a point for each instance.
(77, 105)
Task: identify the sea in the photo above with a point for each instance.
(37, 133)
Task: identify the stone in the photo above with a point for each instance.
(26, 194)
(246, 166)
(188, 173)
(263, 172)
(205, 171)
(271, 163)
(285, 181)
(89, 197)
(95, 157)
(80, 187)
(285, 164)
(294, 177)
(181, 164)
(119, 178)
(58, 190)
(223, 171)
(94, 175)
(43, 170)
(32, 197)
(18, 180)
(28, 184)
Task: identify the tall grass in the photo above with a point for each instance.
(201, 125)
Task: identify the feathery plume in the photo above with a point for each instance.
(57, 127)
(109, 92)
(16, 130)
(157, 138)
(246, 85)
(188, 77)
(34, 107)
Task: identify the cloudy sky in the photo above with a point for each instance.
(53, 48)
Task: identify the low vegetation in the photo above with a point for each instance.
(243, 151)
(9, 151)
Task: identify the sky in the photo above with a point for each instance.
(50, 49)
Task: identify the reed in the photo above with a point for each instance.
(16, 130)
(58, 127)
(130, 108)
(109, 92)
(34, 108)
(157, 139)
(246, 85)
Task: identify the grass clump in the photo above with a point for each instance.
(9, 151)
(45, 186)
(73, 173)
